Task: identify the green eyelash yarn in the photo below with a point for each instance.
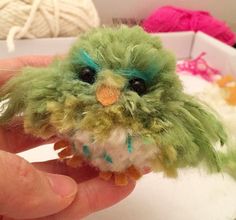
(178, 130)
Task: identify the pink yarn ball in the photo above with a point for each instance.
(171, 19)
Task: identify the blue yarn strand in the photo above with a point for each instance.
(129, 143)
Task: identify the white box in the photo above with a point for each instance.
(183, 44)
(218, 54)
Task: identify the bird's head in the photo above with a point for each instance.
(111, 78)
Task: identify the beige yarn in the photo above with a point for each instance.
(45, 18)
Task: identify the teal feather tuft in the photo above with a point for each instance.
(86, 150)
(107, 158)
(129, 143)
(84, 59)
(134, 73)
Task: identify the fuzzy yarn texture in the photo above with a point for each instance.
(45, 18)
(171, 19)
(214, 96)
(156, 124)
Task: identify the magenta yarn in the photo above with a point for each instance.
(198, 66)
(171, 19)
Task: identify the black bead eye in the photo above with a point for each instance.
(138, 85)
(87, 74)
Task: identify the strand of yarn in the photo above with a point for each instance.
(198, 66)
(171, 19)
(45, 18)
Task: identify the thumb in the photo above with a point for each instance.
(29, 193)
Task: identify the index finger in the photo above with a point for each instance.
(11, 66)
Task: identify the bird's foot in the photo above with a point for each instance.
(121, 178)
(67, 154)
(75, 161)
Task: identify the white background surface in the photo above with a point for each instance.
(46, 46)
(193, 196)
(182, 44)
(219, 55)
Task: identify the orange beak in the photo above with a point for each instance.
(107, 95)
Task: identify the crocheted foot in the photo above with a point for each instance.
(121, 178)
(61, 144)
(75, 161)
(65, 148)
(105, 175)
(67, 155)
(133, 173)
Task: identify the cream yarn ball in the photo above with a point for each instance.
(45, 18)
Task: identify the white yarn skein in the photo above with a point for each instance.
(45, 18)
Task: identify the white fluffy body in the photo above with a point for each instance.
(113, 154)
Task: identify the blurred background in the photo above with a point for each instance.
(224, 10)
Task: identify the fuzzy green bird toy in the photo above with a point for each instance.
(116, 103)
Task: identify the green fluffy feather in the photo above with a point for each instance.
(54, 100)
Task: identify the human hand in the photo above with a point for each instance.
(47, 190)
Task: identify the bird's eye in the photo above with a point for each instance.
(87, 74)
(138, 85)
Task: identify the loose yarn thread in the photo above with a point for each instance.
(198, 66)
(45, 18)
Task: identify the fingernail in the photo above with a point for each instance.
(62, 185)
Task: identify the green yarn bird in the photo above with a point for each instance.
(117, 104)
